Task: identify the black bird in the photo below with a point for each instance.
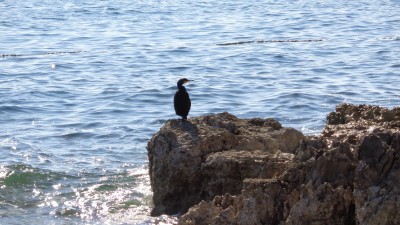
(181, 100)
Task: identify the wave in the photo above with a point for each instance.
(84, 196)
(23, 175)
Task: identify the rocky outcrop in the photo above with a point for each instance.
(219, 169)
(210, 155)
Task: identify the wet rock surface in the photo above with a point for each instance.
(219, 169)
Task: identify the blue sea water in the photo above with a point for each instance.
(85, 84)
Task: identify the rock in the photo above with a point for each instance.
(377, 181)
(211, 155)
(224, 172)
(219, 169)
(323, 204)
(261, 202)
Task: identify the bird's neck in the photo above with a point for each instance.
(181, 88)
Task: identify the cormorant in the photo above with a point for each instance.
(181, 100)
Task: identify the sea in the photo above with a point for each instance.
(84, 85)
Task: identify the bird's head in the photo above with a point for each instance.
(182, 81)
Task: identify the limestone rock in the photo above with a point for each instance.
(211, 155)
(322, 204)
(261, 202)
(223, 170)
(377, 181)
